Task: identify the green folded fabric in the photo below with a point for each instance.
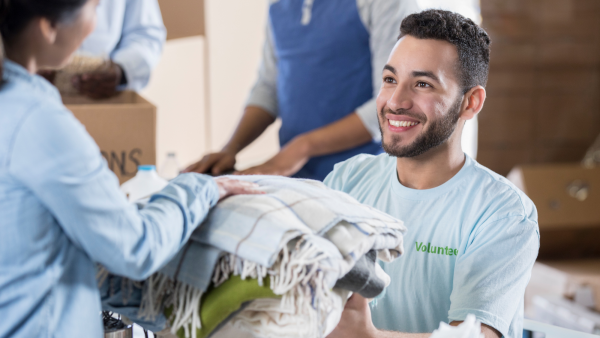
(220, 302)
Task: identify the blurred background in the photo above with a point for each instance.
(543, 103)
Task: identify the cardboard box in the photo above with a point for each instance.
(567, 198)
(124, 127)
(566, 195)
(576, 280)
(183, 18)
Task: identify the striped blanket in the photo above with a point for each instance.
(300, 234)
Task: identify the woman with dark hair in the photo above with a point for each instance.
(61, 211)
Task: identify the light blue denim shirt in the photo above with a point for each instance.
(132, 34)
(61, 211)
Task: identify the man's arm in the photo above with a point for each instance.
(356, 323)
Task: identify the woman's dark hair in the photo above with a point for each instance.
(16, 14)
(471, 41)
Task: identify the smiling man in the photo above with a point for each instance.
(472, 236)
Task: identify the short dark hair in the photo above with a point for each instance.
(471, 41)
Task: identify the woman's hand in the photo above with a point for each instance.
(229, 187)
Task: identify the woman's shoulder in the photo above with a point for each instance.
(37, 118)
(26, 97)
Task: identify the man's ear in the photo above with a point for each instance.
(473, 102)
(48, 30)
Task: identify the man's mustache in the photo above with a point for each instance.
(406, 112)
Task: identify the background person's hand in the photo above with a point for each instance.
(286, 163)
(100, 84)
(229, 187)
(215, 164)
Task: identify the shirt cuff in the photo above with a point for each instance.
(368, 115)
(135, 68)
(265, 98)
(484, 317)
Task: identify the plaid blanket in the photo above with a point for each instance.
(301, 234)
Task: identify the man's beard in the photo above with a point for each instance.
(438, 132)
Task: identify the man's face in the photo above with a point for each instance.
(420, 98)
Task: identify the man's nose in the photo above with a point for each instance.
(400, 99)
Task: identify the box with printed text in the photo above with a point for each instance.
(124, 127)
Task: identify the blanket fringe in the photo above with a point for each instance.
(297, 275)
(161, 292)
(101, 274)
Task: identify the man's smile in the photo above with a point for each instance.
(400, 123)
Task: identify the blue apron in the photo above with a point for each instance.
(324, 72)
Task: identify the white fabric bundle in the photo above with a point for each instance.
(470, 328)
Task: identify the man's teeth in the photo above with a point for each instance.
(402, 123)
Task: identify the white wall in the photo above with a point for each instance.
(235, 30)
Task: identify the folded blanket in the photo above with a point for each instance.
(300, 235)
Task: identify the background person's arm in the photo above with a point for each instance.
(382, 19)
(253, 123)
(343, 134)
(138, 52)
(260, 112)
(142, 42)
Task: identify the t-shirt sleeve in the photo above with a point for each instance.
(492, 271)
(337, 177)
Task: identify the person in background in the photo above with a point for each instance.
(472, 236)
(319, 73)
(131, 34)
(61, 208)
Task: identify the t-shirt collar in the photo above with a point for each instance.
(428, 194)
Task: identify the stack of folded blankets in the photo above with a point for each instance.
(280, 264)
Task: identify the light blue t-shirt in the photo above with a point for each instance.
(470, 245)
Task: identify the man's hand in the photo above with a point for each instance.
(356, 320)
(100, 84)
(286, 163)
(356, 323)
(229, 187)
(215, 164)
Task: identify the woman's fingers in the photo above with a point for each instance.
(228, 187)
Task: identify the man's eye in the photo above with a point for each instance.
(388, 79)
(423, 85)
